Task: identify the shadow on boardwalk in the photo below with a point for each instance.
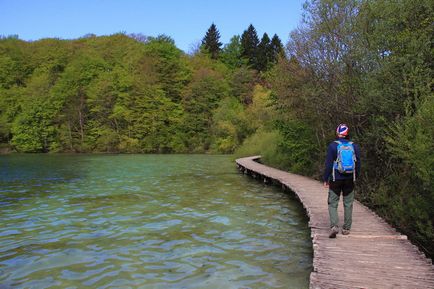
(374, 255)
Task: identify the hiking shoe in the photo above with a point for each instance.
(333, 232)
(345, 232)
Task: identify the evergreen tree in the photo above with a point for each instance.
(249, 45)
(264, 53)
(211, 41)
(276, 48)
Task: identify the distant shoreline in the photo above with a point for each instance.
(10, 151)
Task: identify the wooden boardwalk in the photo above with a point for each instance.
(374, 255)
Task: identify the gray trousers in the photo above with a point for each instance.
(346, 187)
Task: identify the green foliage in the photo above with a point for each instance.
(229, 126)
(299, 146)
(412, 142)
(231, 53)
(286, 144)
(107, 94)
(264, 143)
(171, 66)
(14, 62)
(9, 110)
(33, 128)
(122, 93)
(200, 99)
(260, 112)
(211, 42)
(268, 144)
(243, 81)
(398, 100)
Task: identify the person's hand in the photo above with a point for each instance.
(326, 184)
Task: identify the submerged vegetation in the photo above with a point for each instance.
(365, 63)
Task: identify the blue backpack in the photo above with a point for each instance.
(345, 162)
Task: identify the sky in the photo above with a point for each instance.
(186, 21)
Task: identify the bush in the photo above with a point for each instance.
(289, 147)
(260, 143)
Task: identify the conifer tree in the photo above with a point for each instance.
(211, 41)
(276, 48)
(264, 54)
(249, 44)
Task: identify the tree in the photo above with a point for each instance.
(14, 62)
(34, 129)
(211, 41)
(108, 90)
(232, 52)
(324, 47)
(170, 63)
(276, 48)
(242, 83)
(249, 44)
(200, 99)
(71, 95)
(264, 53)
(229, 126)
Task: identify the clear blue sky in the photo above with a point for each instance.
(186, 21)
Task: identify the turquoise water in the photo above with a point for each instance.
(146, 221)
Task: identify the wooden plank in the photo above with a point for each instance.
(374, 255)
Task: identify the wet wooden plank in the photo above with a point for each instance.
(374, 255)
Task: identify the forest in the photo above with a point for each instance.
(366, 63)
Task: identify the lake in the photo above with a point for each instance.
(146, 221)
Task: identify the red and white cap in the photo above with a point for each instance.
(342, 129)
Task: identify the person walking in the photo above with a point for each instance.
(342, 167)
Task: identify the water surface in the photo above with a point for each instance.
(146, 221)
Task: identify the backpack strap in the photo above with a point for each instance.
(334, 162)
(334, 174)
(354, 160)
